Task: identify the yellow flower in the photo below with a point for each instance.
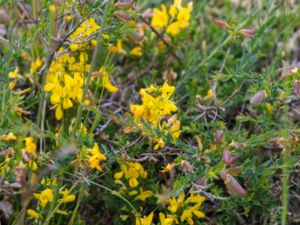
(106, 83)
(68, 18)
(173, 10)
(67, 197)
(168, 168)
(33, 214)
(183, 17)
(160, 144)
(137, 51)
(143, 195)
(32, 165)
(173, 28)
(8, 137)
(65, 81)
(35, 65)
(146, 220)
(12, 85)
(30, 146)
(117, 49)
(188, 214)
(154, 106)
(269, 107)
(209, 94)
(131, 171)
(178, 3)
(44, 197)
(95, 157)
(81, 34)
(160, 19)
(174, 203)
(52, 8)
(14, 74)
(169, 220)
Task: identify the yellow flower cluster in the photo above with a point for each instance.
(65, 81)
(190, 207)
(156, 104)
(95, 156)
(44, 197)
(131, 171)
(186, 208)
(47, 196)
(173, 20)
(80, 38)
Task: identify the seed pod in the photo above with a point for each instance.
(173, 74)
(123, 16)
(125, 4)
(4, 19)
(296, 88)
(20, 174)
(258, 97)
(218, 137)
(247, 32)
(232, 184)
(221, 23)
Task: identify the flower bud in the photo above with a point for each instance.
(186, 166)
(258, 97)
(218, 137)
(226, 156)
(296, 88)
(222, 24)
(247, 32)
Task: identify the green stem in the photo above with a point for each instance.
(285, 186)
(92, 68)
(57, 207)
(114, 193)
(80, 196)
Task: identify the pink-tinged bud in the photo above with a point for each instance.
(296, 88)
(186, 166)
(258, 97)
(123, 16)
(218, 137)
(201, 181)
(226, 156)
(222, 24)
(232, 184)
(247, 32)
(237, 145)
(148, 13)
(233, 159)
